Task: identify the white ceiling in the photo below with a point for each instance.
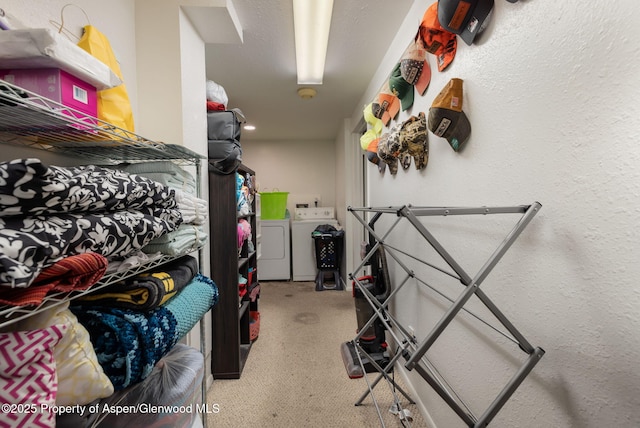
(259, 75)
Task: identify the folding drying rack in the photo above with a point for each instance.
(408, 347)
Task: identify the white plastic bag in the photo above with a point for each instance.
(216, 93)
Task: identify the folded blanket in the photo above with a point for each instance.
(147, 290)
(167, 167)
(190, 305)
(30, 244)
(129, 343)
(174, 182)
(185, 239)
(165, 172)
(29, 187)
(194, 210)
(132, 261)
(72, 273)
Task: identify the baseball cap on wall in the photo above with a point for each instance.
(466, 18)
(388, 103)
(369, 143)
(374, 159)
(446, 118)
(371, 119)
(367, 138)
(401, 88)
(390, 147)
(414, 67)
(379, 112)
(435, 39)
(413, 135)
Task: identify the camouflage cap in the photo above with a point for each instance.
(390, 147)
(414, 137)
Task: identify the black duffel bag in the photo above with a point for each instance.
(223, 135)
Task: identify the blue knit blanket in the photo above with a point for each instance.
(129, 343)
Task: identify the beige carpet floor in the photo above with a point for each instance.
(294, 375)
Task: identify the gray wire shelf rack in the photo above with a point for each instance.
(28, 119)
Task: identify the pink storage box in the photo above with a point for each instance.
(56, 85)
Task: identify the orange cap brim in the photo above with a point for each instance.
(425, 78)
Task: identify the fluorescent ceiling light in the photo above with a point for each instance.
(311, 21)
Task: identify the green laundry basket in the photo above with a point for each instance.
(273, 205)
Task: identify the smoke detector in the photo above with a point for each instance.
(307, 93)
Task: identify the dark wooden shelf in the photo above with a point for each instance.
(231, 318)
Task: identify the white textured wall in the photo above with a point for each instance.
(294, 167)
(552, 90)
(193, 84)
(158, 43)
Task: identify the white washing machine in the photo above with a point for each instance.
(275, 244)
(303, 256)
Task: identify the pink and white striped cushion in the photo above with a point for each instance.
(28, 380)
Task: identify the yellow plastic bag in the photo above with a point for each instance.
(113, 104)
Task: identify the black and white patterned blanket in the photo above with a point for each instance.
(48, 213)
(29, 187)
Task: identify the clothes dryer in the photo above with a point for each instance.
(275, 258)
